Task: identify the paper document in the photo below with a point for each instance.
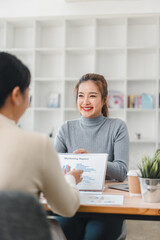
(93, 166)
(97, 199)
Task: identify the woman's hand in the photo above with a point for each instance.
(77, 174)
(80, 150)
(67, 169)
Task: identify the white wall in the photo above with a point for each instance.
(27, 8)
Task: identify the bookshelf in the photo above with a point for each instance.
(59, 50)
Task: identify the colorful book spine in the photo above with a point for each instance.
(144, 101)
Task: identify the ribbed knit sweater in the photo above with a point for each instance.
(98, 135)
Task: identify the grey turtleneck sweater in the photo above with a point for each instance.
(97, 135)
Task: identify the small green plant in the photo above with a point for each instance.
(150, 167)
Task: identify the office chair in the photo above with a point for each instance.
(22, 217)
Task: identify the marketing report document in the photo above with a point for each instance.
(93, 166)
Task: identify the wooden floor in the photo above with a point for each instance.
(143, 230)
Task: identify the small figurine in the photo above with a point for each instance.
(138, 135)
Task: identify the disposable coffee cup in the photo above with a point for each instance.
(133, 182)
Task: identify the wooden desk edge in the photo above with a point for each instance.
(139, 209)
(120, 210)
(115, 210)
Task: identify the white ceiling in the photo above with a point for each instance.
(98, 0)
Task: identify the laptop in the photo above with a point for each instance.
(121, 186)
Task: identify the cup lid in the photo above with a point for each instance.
(134, 173)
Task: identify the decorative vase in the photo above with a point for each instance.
(150, 189)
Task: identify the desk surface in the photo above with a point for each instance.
(133, 205)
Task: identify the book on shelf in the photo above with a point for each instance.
(53, 100)
(134, 101)
(147, 101)
(116, 99)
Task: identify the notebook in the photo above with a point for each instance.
(94, 168)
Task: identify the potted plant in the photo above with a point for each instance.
(150, 178)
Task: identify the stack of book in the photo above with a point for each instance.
(144, 101)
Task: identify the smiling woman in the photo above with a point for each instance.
(95, 132)
(92, 95)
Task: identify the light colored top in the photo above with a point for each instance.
(98, 135)
(28, 162)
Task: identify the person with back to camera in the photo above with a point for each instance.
(95, 132)
(29, 162)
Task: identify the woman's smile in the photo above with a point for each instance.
(87, 108)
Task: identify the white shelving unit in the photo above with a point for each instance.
(58, 51)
